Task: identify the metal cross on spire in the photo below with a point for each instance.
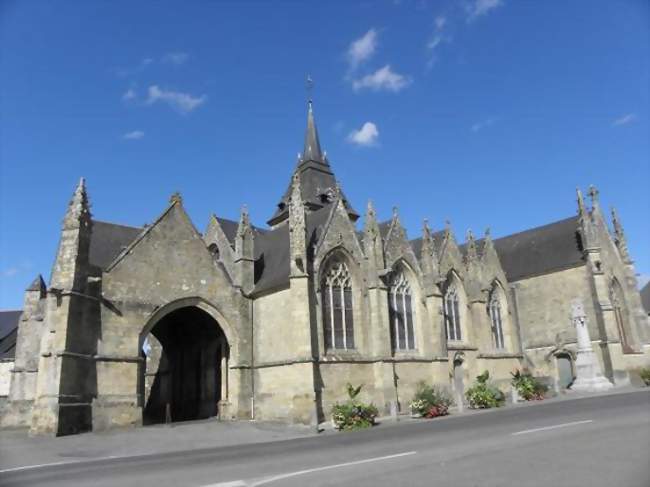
(309, 84)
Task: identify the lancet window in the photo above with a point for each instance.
(494, 310)
(400, 306)
(338, 320)
(452, 313)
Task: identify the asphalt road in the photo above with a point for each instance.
(599, 441)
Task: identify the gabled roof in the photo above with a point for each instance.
(8, 333)
(108, 240)
(645, 297)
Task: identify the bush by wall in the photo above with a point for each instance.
(644, 373)
(430, 401)
(353, 414)
(529, 387)
(483, 395)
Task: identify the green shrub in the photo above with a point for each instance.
(353, 414)
(529, 388)
(483, 395)
(644, 373)
(430, 401)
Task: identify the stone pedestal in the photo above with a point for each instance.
(589, 377)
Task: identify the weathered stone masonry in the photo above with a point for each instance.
(163, 323)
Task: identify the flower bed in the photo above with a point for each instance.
(528, 387)
(353, 414)
(483, 395)
(430, 402)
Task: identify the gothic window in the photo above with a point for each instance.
(452, 313)
(338, 322)
(400, 306)
(495, 312)
(621, 316)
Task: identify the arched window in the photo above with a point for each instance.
(338, 322)
(401, 313)
(494, 310)
(621, 315)
(452, 312)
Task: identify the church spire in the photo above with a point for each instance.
(312, 150)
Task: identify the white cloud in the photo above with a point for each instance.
(10, 272)
(181, 102)
(382, 79)
(484, 124)
(177, 58)
(129, 94)
(135, 135)
(624, 120)
(440, 22)
(478, 8)
(362, 49)
(126, 72)
(367, 135)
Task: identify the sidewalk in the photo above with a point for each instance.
(17, 449)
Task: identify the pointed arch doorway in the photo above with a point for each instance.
(186, 362)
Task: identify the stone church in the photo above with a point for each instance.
(165, 323)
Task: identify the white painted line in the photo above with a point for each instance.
(54, 464)
(29, 467)
(268, 480)
(234, 483)
(546, 428)
(339, 465)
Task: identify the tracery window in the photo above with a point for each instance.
(452, 313)
(621, 316)
(401, 313)
(338, 321)
(494, 310)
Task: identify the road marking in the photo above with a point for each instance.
(546, 428)
(275, 478)
(54, 464)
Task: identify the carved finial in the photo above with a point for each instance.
(472, 253)
(395, 212)
(79, 208)
(176, 198)
(593, 194)
(488, 233)
(425, 227)
(370, 210)
(619, 236)
(581, 202)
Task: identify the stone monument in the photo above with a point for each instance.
(589, 377)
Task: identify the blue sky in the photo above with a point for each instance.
(484, 112)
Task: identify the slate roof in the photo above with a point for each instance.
(108, 240)
(8, 333)
(230, 227)
(645, 297)
(272, 251)
(540, 250)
